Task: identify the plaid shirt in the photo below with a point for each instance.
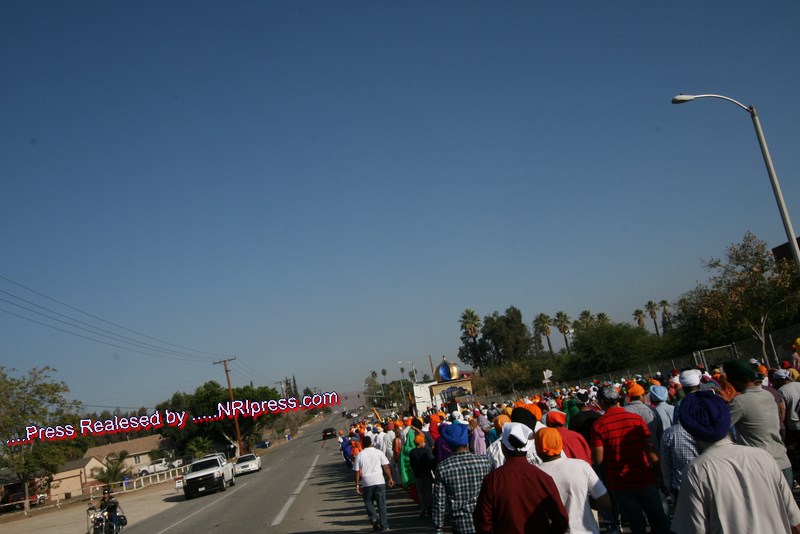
(677, 452)
(458, 483)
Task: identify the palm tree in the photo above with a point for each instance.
(666, 315)
(199, 445)
(383, 372)
(470, 323)
(541, 324)
(652, 310)
(639, 316)
(562, 322)
(585, 320)
(115, 469)
(603, 319)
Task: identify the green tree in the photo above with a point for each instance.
(541, 327)
(507, 337)
(562, 323)
(470, 323)
(473, 351)
(611, 347)
(199, 446)
(383, 372)
(666, 315)
(34, 399)
(115, 469)
(639, 316)
(585, 320)
(603, 319)
(652, 310)
(748, 292)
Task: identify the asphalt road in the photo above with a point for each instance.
(303, 487)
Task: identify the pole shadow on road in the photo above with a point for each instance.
(342, 509)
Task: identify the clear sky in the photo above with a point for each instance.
(321, 188)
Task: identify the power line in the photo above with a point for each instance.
(95, 330)
(98, 340)
(106, 321)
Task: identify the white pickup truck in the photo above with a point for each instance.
(159, 466)
(208, 474)
(156, 466)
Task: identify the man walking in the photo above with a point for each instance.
(370, 466)
(458, 481)
(755, 415)
(729, 487)
(519, 497)
(622, 441)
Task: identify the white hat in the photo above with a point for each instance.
(782, 374)
(690, 378)
(753, 361)
(517, 437)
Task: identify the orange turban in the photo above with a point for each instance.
(549, 442)
(500, 420)
(535, 410)
(635, 390)
(554, 416)
(419, 438)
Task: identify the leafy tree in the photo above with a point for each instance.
(748, 292)
(652, 310)
(541, 327)
(603, 319)
(115, 469)
(507, 336)
(32, 399)
(509, 378)
(611, 347)
(199, 446)
(205, 401)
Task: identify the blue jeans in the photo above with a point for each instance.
(378, 494)
(636, 504)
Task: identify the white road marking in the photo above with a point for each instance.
(294, 495)
(227, 494)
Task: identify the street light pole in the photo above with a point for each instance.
(413, 369)
(773, 177)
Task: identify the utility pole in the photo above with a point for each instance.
(230, 390)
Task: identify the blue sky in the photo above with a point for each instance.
(321, 188)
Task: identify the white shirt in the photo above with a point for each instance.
(369, 462)
(388, 444)
(576, 481)
(733, 488)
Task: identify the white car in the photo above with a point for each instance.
(247, 464)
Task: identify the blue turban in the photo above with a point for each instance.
(705, 415)
(455, 435)
(659, 393)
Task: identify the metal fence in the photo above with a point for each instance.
(779, 348)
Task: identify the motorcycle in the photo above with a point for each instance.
(99, 520)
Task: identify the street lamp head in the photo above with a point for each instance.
(681, 99)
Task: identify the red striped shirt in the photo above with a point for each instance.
(622, 436)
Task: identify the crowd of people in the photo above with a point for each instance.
(684, 451)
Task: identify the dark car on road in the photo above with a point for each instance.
(329, 432)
